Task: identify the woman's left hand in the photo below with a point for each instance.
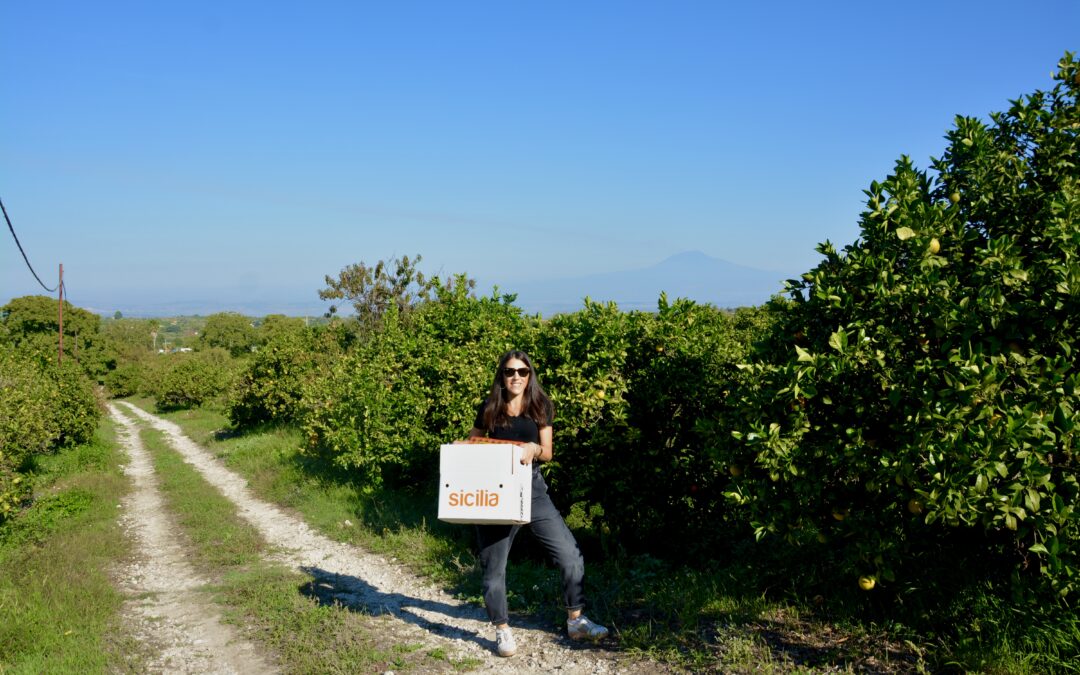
(530, 452)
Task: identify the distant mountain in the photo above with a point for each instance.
(691, 274)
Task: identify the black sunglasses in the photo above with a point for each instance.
(522, 372)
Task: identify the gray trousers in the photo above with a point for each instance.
(548, 527)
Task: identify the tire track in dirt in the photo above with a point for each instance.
(165, 610)
(416, 611)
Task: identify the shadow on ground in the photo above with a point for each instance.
(440, 618)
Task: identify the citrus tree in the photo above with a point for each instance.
(32, 323)
(631, 390)
(190, 380)
(922, 388)
(230, 331)
(270, 385)
(411, 383)
(43, 406)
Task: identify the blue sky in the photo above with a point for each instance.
(174, 151)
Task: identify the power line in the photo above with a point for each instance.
(47, 289)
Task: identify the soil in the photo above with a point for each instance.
(179, 627)
(171, 615)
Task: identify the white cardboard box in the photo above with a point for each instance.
(484, 483)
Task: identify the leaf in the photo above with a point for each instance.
(1038, 548)
(1031, 499)
(905, 233)
(803, 354)
(838, 341)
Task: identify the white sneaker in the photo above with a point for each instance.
(582, 628)
(504, 641)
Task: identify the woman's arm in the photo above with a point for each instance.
(541, 452)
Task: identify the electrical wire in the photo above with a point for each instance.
(12, 229)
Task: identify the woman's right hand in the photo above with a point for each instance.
(530, 452)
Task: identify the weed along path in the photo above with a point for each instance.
(409, 610)
(180, 628)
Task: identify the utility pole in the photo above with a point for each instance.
(60, 287)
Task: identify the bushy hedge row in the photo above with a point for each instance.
(921, 399)
(407, 387)
(191, 379)
(270, 386)
(43, 406)
(629, 389)
(175, 381)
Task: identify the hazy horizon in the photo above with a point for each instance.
(634, 289)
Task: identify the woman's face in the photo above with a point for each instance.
(513, 379)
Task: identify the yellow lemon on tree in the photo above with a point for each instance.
(867, 583)
(934, 246)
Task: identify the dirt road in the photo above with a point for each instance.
(414, 610)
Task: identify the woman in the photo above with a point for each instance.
(517, 409)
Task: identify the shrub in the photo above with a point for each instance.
(194, 378)
(410, 385)
(42, 407)
(25, 424)
(32, 324)
(270, 387)
(921, 394)
(125, 380)
(75, 408)
(229, 331)
(631, 392)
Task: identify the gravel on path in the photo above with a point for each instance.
(414, 610)
(180, 628)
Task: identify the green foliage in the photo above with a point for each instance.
(922, 390)
(24, 425)
(373, 290)
(125, 380)
(229, 331)
(42, 407)
(192, 379)
(278, 327)
(270, 387)
(32, 323)
(630, 391)
(629, 455)
(411, 385)
(75, 407)
(128, 339)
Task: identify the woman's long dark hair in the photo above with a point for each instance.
(536, 404)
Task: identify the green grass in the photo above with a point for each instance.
(274, 604)
(389, 522)
(744, 612)
(59, 612)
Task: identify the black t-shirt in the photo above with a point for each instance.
(522, 429)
